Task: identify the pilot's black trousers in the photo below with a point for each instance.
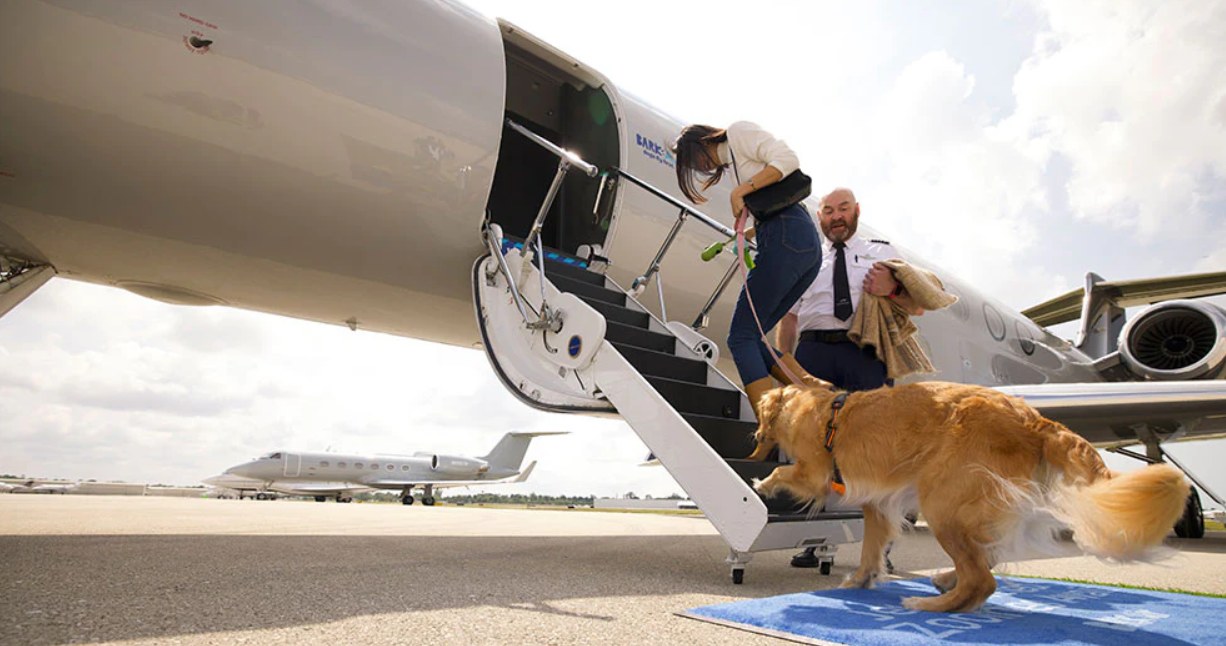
(844, 364)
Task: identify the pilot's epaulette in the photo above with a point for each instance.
(880, 241)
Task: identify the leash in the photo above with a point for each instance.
(742, 251)
(831, 429)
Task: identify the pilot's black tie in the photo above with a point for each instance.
(842, 292)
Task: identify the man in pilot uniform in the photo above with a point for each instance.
(823, 314)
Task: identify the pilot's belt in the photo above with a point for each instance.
(824, 336)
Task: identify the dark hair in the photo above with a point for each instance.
(689, 148)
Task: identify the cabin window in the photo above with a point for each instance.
(340, 465)
(374, 467)
(391, 467)
(404, 467)
(323, 463)
(357, 465)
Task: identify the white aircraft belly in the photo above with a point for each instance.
(310, 163)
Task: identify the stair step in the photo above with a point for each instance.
(730, 438)
(781, 504)
(638, 337)
(618, 314)
(662, 364)
(688, 397)
(573, 271)
(800, 517)
(783, 508)
(585, 290)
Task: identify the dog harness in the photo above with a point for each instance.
(836, 405)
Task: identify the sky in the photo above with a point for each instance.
(1017, 144)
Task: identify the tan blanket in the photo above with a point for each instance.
(885, 325)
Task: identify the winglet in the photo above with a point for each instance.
(523, 475)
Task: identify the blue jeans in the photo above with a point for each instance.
(789, 255)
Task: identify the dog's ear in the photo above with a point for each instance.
(769, 406)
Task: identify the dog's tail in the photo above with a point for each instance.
(1122, 516)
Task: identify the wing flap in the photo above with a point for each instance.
(1118, 413)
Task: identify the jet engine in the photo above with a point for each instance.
(456, 466)
(1178, 339)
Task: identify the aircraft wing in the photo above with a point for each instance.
(317, 488)
(1112, 414)
(1127, 293)
(389, 483)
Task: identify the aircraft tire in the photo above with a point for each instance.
(428, 501)
(1192, 525)
(320, 498)
(406, 500)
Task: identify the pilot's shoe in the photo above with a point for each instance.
(807, 558)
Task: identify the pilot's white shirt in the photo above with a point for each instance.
(815, 309)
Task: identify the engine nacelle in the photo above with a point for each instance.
(457, 466)
(1178, 339)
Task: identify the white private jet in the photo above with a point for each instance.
(420, 169)
(324, 475)
(32, 486)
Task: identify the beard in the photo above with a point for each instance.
(841, 234)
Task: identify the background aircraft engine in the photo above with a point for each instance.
(1176, 340)
(455, 466)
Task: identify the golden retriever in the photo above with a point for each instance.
(984, 468)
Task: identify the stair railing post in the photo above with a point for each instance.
(703, 317)
(539, 222)
(496, 251)
(660, 291)
(640, 283)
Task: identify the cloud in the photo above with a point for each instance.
(1132, 93)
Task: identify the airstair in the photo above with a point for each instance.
(563, 337)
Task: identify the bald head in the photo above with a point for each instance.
(840, 215)
(839, 194)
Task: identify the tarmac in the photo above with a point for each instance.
(143, 570)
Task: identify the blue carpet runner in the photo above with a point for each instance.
(1022, 611)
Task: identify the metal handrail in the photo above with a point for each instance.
(572, 158)
(686, 211)
(495, 246)
(532, 244)
(703, 217)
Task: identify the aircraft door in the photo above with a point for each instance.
(293, 464)
(574, 107)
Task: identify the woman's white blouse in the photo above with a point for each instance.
(756, 149)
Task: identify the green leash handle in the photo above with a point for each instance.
(716, 248)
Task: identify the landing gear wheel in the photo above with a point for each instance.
(320, 498)
(406, 500)
(428, 501)
(738, 575)
(824, 568)
(1192, 524)
(261, 496)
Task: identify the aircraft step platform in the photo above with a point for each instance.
(694, 420)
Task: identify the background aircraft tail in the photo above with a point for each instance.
(509, 452)
(523, 475)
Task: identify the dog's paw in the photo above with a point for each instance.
(945, 581)
(917, 603)
(860, 579)
(765, 487)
